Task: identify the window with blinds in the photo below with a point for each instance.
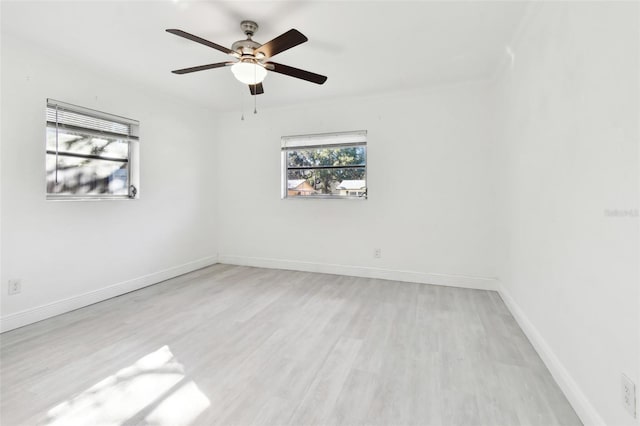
(90, 154)
(327, 165)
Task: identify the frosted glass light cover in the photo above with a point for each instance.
(248, 72)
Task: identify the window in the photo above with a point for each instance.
(90, 154)
(328, 165)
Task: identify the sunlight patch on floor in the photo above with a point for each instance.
(154, 388)
(181, 408)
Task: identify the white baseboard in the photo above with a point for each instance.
(478, 283)
(572, 391)
(29, 316)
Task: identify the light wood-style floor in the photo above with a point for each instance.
(235, 345)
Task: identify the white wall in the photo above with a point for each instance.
(569, 131)
(430, 206)
(81, 252)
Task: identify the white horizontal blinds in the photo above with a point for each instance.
(80, 120)
(66, 116)
(353, 138)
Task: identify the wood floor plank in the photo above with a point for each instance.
(233, 345)
(319, 401)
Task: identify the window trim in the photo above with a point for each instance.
(311, 141)
(132, 138)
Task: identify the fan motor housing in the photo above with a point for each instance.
(245, 47)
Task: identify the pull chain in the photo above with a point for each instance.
(241, 107)
(255, 95)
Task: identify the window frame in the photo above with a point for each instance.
(347, 139)
(132, 139)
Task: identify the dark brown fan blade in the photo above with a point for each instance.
(296, 72)
(200, 40)
(256, 89)
(202, 67)
(281, 43)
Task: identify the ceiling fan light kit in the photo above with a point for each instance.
(252, 58)
(248, 72)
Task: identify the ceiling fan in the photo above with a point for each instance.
(253, 58)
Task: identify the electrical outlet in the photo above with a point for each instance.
(15, 287)
(377, 253)
(629, 395)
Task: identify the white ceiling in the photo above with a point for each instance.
(364, 47)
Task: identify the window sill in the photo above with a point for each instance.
(88, 198)
(328, 197)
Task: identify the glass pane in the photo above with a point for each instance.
(86, 176)
(340, 182)
(76, 142)
(342, 156)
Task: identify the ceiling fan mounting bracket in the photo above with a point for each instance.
(249, 28)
